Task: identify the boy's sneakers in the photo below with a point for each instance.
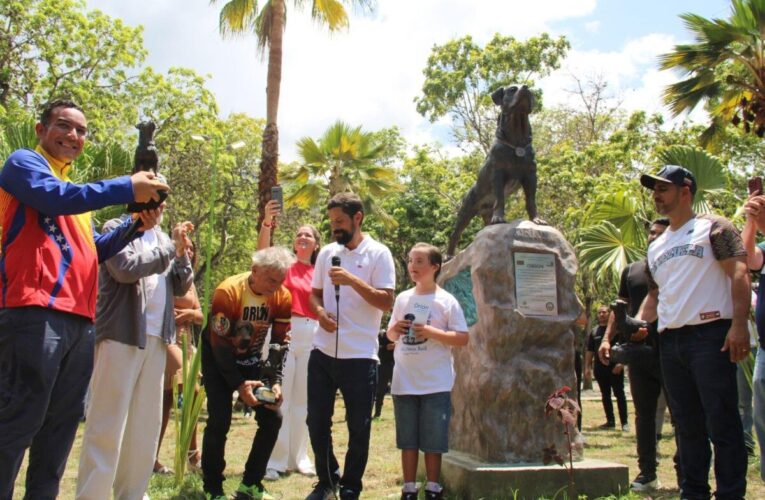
(253, 492)
(644, 482)
(321, 491)
(434, 495)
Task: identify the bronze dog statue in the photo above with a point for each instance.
(509, 165)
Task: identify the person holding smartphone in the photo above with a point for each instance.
(291, 449)
(754, 207)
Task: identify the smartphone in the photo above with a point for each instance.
(755, 185)
(278, 195)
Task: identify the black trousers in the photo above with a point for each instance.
(357, 379)
(646, 385)
(384, 376)
(219, 408)
(608, 381)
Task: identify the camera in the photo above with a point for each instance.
(268, 370)
(625, 351)
(625, 326)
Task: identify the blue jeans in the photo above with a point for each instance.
(758, 387)
(701, 392)
(422, 421)
(46, 359)
(357, 380)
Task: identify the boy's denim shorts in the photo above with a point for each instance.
(422, 421)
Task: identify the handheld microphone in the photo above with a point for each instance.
(336, 263)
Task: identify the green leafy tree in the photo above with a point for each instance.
(54, 47)
(460, 76)
(427, 209)
(245, 17)
(724, 68)
(345, 158)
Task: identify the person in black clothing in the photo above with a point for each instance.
(610, 377)
(645, 372)
(384, 370)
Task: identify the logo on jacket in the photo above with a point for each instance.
(220, 325)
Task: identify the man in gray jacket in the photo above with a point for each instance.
(134, 325)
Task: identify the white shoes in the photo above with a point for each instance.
(272, 475)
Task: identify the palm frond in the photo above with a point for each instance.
(604, 251)
(623, 210)
(237, 17)
(331, 13)
(708, 170)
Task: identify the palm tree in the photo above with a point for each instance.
(614, 235)
(725, 68)
(345, 158)
(243, 17)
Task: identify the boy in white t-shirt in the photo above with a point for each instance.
(424, 374)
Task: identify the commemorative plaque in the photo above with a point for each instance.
(536, 290)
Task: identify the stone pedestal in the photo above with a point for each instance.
(513, 361)
(469, 478)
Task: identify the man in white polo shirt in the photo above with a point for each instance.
(349, 296)
(699, 288)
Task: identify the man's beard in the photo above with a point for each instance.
(343, 237)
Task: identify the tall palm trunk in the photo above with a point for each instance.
(270, 149)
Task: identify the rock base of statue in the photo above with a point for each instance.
(466, 477)
(515, 282)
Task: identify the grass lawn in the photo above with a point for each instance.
(382, 477)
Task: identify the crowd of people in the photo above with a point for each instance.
(110, 314)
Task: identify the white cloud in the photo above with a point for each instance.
(370, 74)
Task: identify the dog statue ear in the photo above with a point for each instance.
(497, 95)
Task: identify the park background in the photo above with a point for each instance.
(390, 101)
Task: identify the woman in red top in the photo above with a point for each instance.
(291, 450)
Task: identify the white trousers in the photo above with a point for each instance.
(123, 420)
(291, 450)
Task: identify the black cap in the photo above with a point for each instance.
(671, 174)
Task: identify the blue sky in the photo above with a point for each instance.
(370, 74)
(620, 21)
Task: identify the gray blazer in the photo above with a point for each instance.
(121, 304)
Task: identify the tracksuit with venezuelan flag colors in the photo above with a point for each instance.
(49, 255)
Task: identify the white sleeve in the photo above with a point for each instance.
(384, 273)
(319, 270)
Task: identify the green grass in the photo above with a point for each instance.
(383, 474)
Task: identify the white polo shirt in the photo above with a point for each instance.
(359, 322)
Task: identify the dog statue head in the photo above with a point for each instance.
(514, 99)
(516, 103)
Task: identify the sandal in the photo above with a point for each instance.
(162, 470)
(194, 460)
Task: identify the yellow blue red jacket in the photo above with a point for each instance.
(50, 251)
